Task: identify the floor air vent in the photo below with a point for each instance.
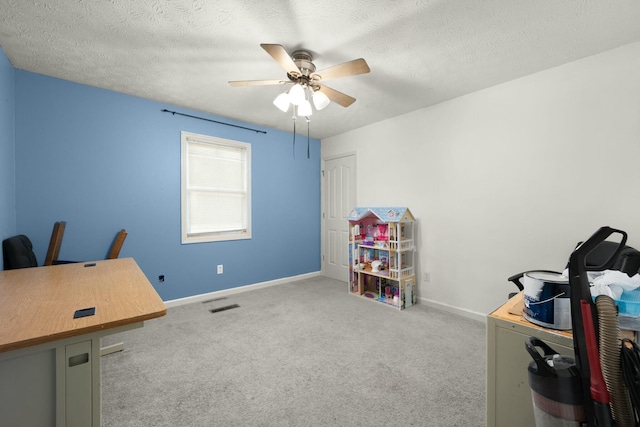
(225, 308)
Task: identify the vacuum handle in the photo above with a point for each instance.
(543, 367)
(583, 326)
(592, 242)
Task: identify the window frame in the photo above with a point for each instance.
(213, 236)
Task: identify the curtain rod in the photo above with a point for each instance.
(214, 121)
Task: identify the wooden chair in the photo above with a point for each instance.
(113, 254)
(55, 242)
(117, 244)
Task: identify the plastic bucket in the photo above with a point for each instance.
(556, 389)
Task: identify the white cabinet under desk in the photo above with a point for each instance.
(54, 384)
(49, 360)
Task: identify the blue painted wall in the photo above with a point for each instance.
(103, 161)
(7, 143)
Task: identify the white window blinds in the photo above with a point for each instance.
(215, 189)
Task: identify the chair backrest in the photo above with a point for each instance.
(55, 242)
(17, 252)
(117, 244)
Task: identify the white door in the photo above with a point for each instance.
(339, 198)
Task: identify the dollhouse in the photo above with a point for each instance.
(382, 255)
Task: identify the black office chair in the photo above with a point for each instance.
(17, 252)
(603, 257)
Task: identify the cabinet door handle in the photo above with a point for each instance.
(79, 359)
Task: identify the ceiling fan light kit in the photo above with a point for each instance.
(304, 109)
(282, 102)
(296, 94)
(320, 100)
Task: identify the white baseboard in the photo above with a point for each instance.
(226, 292)
(455, 310)
(239, 289)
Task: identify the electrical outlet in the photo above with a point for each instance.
(427, 277)
(220, 269)
(161, 278)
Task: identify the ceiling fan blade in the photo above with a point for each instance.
(256, 82)
(337, 97)
(281, 56)
(351, 68)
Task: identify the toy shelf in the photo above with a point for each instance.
(367, 270)
(381, 255)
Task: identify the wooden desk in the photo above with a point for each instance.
(49, 361)
(508, 394)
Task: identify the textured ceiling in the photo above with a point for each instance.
(421, 52)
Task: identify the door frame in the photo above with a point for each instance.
(323, 195)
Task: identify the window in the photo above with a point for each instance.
(215, 189)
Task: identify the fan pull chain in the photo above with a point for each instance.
(294, 131)
(308, 121)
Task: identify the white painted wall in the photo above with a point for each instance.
(509, 178)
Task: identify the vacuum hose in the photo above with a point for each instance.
(610, 362)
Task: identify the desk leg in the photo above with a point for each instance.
(78, 393)
(78, 385)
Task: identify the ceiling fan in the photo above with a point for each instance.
(301, 73)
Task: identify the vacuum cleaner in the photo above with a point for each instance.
(595, 340)
(604, 376)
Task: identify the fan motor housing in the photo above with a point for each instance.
(303, 61)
